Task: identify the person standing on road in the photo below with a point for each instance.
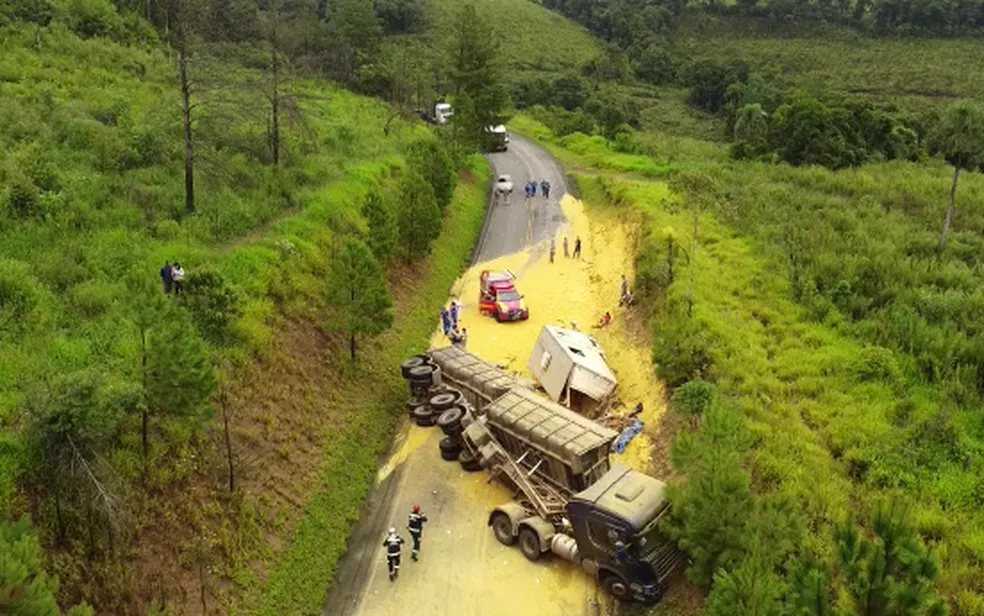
(445, 321)
(577, 248)
(553, 249)
(394, 546)
(415, 524)
(453, 312)
(545, 188)
(567, 254)
(166, 277)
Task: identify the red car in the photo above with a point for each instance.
(497, 296)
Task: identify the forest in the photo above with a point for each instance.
(235, 141)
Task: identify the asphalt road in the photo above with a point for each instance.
(510, 226)
(463, 569)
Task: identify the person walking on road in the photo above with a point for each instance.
(545, 188)
(167, 277)
(453, 313)
(577, 248)
(415, 524)
(553, 249)
(394, 546)
(567, 254)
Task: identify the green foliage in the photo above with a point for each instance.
(357, 295)
(959, 136)
(711, 83)
(477, 74)
(400, 16)
(418, 216)
(180, 377)
(431, 159)
(25, 588)
(381, 220)
(681, 352)
(212, 303)
(693, 398)
(19, 294)
(751, 588)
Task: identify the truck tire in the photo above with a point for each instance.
(422, 374)
(449, 456)
(423, 416)
(442, 402)
(450, 420)
(469, 461)
(615, 586)
(450, 446)
(410, 363)
(529, 544)
(497, 315)
(502, 528)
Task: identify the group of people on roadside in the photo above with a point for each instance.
(531, 189)
(172, 276)
(567, 253)
(449, 323)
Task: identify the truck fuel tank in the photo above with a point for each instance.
(565, 547)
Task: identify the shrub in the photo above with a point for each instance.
(213, 304)
(18, 294)
(693, 398)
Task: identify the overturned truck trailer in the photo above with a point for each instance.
(571, 501)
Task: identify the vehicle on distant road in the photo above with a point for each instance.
(495, 139)
(503, 187)
(498, 297)
(438, 113)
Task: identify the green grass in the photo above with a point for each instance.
(531, 38)
(827, 428)
(299, 580)
(914, 73)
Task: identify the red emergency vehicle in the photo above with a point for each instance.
(498, 297)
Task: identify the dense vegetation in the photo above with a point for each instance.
(194, 132)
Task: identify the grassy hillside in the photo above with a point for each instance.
(915, 73)
(531, 38)
(805, 281)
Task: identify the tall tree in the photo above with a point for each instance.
(419, 216)
(381, 219)
(182, 16)
(356, 33)
(477, 73)
(959, 138)
(357, 294)
(431, 159)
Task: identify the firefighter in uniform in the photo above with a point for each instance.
(416, 526)
(394, 545)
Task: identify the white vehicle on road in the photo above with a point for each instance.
(503, 187)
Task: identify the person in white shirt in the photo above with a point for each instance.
(177, 276)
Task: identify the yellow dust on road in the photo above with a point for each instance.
(565, 291)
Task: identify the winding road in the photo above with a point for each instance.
(463, 570)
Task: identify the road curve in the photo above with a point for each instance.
(463, 570)
(507, 225)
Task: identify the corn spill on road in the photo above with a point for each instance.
(463, 569)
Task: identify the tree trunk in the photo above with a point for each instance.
(225, 422)
(949, 209)
(143, 375)
(59, 525)
(189, 164)
(693, 265)
(275, 103)
(201, 582)
(352, 346)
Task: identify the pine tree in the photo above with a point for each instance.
(179, 377)
(357, 294)
(751, 589)
(382, 226)
(419, 216)
(477, 72)
(431, 159)
(25, 588)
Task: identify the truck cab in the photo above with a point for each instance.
(442, 113)
(615, 523)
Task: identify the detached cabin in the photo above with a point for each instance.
(571, 368)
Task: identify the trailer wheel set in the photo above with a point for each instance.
(434, 403)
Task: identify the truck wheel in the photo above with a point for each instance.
(450, 420)
(615, 586)
(450, 456)
(442, 402)
(469, 461)
(529, 544)
(497, 315)
(502, 527)
(408, 364)
(423, 416)
(450, 446)
(422, 374)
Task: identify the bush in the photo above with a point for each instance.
(681, 349)
(213, 304)
(18, 294)
(693, 398)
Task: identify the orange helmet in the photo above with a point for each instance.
(416, 508)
